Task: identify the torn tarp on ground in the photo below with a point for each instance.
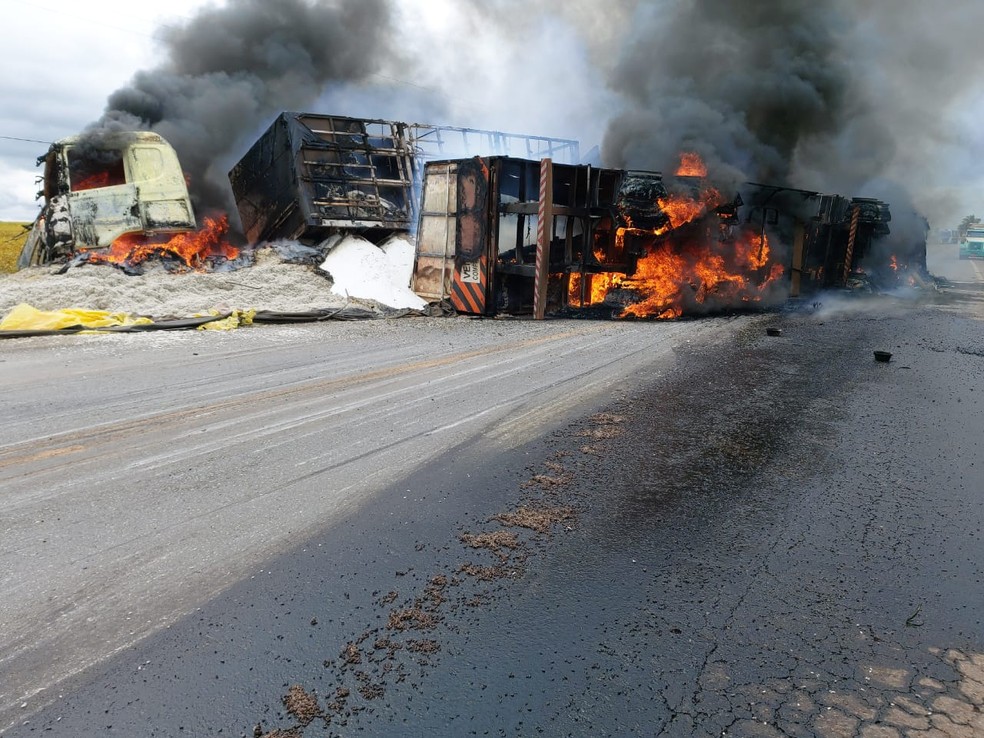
(25, 321)
(27, 317)
(225, 321)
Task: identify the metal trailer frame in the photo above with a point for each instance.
(505, 235)
(450, 142)
(514, 219)
(830, 234)
(838, 239)
(311, 175)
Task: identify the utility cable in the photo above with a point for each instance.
(28, 140)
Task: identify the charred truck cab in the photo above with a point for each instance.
(97, 189)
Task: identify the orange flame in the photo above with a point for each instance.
(682, 209)
(92, 182)
(191, 248)
(691, 165)
(754, 252)
(598, 286)
(673, 274)
(682, 269)
(687, 206)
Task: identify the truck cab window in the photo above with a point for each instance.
(90, 168)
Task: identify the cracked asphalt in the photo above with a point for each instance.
(779, 536)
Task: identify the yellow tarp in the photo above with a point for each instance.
(26, 318)
(230, 323)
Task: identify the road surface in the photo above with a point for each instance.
(140, 475)
(660, 529)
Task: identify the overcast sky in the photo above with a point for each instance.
(525, 66)
(60, 62)
(62, 59)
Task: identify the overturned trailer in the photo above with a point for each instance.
(310, 176)
(519, 236)
(483, 225)
(833, 239)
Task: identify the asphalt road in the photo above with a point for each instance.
(655, 529)
(140, 475)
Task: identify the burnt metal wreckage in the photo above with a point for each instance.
(492, 240)
(503, 223)
(99, 188)
(309, 176)
(500, 233)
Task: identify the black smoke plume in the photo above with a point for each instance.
(231, 69)
(831, 95)
(743, 84)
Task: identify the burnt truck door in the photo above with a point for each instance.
(162, 195)
(471, 280)
(434, 261)
(452, 261)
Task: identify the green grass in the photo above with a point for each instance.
(12, 237)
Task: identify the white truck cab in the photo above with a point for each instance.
(97, 189)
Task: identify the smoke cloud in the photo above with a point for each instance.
(833, 96)
(838, 96)
(743, 84)
(231, 69)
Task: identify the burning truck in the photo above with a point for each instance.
(527, 228)
(519, 236)
(120, 198)
(509, 235)
(494, 232)
(475, 220)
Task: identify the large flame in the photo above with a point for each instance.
(674, 275)
(193, 249)
(684, 208)
(596, 287)
(684, 267)
(691, 165)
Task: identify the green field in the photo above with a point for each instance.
(12, 237)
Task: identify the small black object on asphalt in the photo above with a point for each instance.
(883, 356)
(773, 331)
